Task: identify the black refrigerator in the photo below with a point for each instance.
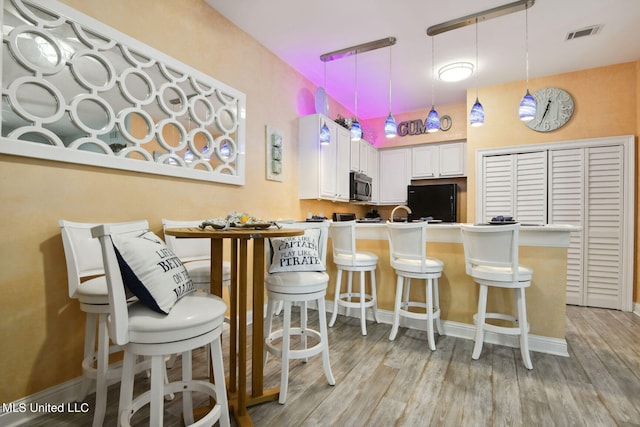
(436, 201)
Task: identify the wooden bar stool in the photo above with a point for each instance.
(491, 258)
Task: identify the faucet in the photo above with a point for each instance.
(406, 208)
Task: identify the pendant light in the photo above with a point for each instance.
(433, 120)
(476, 116)
(390, 125)
(325, 134)
(527, 110)
(356, 130)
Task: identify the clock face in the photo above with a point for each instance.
(554, 108)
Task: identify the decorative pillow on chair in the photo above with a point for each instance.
(299, 253)
(151, 271)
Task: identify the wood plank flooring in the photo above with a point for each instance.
(403, 383)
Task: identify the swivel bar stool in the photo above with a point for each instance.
(346, 258)
(88, 285)
(491, 259)
(408, 256)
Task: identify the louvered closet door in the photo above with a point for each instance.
(566, 206)
(516, 185)
(604, 227)
(587, 190)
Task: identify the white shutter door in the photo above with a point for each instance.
(604, 226)
(531, 188)
(566, 206)
(498, 186)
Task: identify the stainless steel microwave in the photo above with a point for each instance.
(360, 187)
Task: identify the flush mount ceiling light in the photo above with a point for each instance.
(455, 72)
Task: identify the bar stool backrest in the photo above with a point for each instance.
(343, 239)
(494, 246)
(407, 241)
(119, 314)
(186, 249)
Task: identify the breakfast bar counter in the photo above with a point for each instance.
(542, 248)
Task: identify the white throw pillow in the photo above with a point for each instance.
(151, 271)
(299, 253)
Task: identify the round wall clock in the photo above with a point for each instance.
(554, 108)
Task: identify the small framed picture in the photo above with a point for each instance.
(274, 154)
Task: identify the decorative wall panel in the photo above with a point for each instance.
(75, 90)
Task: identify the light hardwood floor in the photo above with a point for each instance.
(403, 383)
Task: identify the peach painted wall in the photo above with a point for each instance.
(42, 329)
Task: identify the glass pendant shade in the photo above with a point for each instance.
(476, 116)
(325, 135)
(390, 127)
(356, 131)
(527, 108)
(433, 121)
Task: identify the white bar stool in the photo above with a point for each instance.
(346, 258)
(408, 256)
(87, 284)
(298, 286)
(491, 258)
(195, 320)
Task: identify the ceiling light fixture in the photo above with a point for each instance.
(476, 116)
(390, 125)
(433, 120)
(527, 110)
(455, 72)
(356, 130)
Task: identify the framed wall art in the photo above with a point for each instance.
(275, 159)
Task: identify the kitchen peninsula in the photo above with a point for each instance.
(542, 248)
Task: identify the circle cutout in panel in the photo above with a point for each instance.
(36, 50)
(172, 100)
(226, 120)
(92, 114)
(200, 138)
(93, 71)
(201, 110)
(226, 150)
(171, 135)
(136, 125)
(36, 99)
(137, 87)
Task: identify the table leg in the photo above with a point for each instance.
(233, 319)
(242, 330)
(257, 383)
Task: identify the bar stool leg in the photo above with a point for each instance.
(101, 372)
(396, 309)
(429, 296)
(374, 296)
(268, 324)
(336, 298)
(436, 305)
(303, 327)
(187, 375)
(524, 328)
(325, 339)
(363, 300)
(349, 291)
(480, 319)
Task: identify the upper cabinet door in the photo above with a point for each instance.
(424, 161)
(453, 159)
(395, 175)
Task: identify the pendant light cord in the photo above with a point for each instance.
(477, 67)
(433, 55)
(356, 92)
(526, 38)
(390, 80)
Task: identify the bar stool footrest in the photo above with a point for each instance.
(515, 330)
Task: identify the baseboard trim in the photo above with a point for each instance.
(555, 346)
(636, 308)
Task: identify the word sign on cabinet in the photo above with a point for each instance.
(323, 168)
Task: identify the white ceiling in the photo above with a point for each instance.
(300, 31)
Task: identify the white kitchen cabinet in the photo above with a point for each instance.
(361, 159)
(323, 169)
(439, 160)
(394, 175)
(373, 172)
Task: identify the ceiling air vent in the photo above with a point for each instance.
(584, 32)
